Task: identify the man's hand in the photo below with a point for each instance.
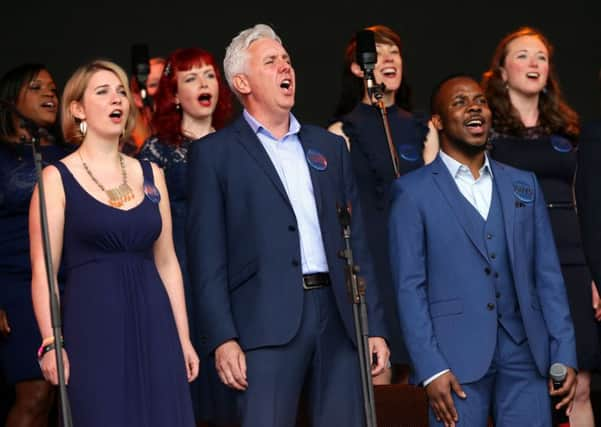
(230, 362)
(568, 389)
(441, 399)
(378, 346)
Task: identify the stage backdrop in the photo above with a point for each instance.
(439, 38)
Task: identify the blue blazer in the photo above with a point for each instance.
(243, 243)
(442, 288)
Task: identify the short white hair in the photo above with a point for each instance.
(236, 55)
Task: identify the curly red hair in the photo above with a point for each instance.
(167, 119)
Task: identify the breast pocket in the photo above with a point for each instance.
(523, 211)
(446, 308)
(242, 275)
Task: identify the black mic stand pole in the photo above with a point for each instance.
(375, 93)
(54, 307)
(36, 133)
(356, 289)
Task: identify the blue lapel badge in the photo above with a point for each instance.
(523, 192)
(317, 160)
(409, 152)
(152, 192)
(561, 144)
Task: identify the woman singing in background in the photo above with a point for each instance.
(360, 123)
(535, 129)
(124, 319)
(32, 91)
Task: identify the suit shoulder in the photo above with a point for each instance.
(213, 141)
(322, 134)
(416, 176)
(414, 182)
(515, 172)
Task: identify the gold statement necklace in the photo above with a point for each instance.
(118, 195)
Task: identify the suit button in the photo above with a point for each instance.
(493, 256)
(487, 270)
(500, 316)
(291, 228)
(498, 294)
(490, 306)
(496, 274)
(295, 263)
(489, 236)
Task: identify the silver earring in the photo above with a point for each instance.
(83, 127)
(178, 107)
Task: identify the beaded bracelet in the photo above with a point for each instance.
(45, 349)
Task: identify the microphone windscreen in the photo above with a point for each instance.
(366, 49)
(140, 61)
(558, 372)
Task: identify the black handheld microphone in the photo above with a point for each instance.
(366, 57)
(558, 373)
(141, 69)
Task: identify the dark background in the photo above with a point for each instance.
(439, 38)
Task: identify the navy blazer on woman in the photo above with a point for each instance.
(243, 240)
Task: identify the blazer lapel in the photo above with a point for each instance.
(505, 190)
(252, 144)
(309, 143)
(459, 205)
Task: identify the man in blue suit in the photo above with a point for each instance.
(482, 301)
(264, 239)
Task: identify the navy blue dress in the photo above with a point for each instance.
(127, 366)
(17, 180)
(553, 159)
(374, 174)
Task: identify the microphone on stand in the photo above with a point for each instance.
(140, 70)
(558, 373)
(366, 57)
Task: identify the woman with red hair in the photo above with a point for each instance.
(192, 101)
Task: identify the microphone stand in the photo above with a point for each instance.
(54, 307)
(375, 93)
(356, 289)
(36, 134)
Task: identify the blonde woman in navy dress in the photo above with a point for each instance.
(128, 355)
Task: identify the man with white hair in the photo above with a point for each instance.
(264, 239)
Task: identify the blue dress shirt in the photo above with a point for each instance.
(288, 158)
